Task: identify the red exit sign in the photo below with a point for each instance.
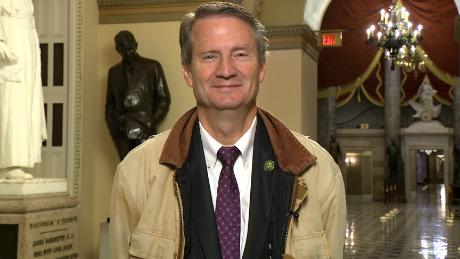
(330, 39)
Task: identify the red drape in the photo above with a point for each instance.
(437, 18)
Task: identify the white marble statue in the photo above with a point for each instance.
(22, 117)
(424, 108)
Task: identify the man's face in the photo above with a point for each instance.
(225, 70)
(127, 48)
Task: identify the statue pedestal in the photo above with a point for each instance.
(38, 225)
(394, 191)
(32, 186)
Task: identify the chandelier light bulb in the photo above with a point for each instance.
(397, 33)
(379, 35)
(420, 28)
(382, 14)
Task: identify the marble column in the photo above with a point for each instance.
(392, 103)
(331, 106)
(456, 94)
(456, 91)
(326, 118)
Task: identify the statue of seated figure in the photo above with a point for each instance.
(425, 109)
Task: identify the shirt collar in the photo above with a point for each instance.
(244, 144)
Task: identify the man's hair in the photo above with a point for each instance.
(124, 35)
(219, 9)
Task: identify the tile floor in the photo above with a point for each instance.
(423, 229)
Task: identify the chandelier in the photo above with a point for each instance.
(397, 37)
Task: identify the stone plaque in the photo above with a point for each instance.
(52, 234)
(42, 226)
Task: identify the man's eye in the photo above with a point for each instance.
(241, 55)
(209, 57)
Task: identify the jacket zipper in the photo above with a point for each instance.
(181, 224)
(288, 226)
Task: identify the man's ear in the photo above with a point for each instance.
(263, 71)
(187, 73)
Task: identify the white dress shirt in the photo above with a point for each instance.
(242, 169)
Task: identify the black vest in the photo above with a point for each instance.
(271, 196)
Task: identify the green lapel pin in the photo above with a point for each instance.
(269, 165)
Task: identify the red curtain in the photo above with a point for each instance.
(437, 18)
(339, 66)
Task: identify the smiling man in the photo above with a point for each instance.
(229, 180)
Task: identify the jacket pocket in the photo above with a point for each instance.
(150, 245)
(313, 245)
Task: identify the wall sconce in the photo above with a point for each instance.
(350, 160)
(347, 161)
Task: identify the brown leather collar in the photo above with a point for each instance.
(292, 156)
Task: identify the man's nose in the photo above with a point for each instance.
(226, 68)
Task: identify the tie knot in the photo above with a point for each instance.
(228, 155)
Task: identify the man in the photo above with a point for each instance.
(137, 96)
(183, 195)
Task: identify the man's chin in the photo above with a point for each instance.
(233, 107)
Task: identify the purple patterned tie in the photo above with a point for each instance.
(228, 205)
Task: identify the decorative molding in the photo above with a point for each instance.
(37, 202)
(259, 7)
(136, 11)
(78, 100)
(142, 3)
(294, 37)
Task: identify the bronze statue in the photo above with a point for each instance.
(394, 159)
(335, 150)
(137, 96)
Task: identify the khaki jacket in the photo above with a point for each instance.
(146, 209)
